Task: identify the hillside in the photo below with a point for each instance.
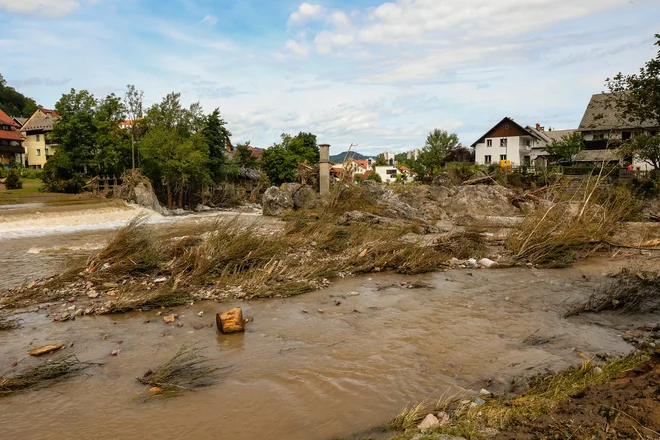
(15, 103)
(337, 158)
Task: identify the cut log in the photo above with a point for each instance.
(45, 349)
(230, 321)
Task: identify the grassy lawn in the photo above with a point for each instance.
(29, 186)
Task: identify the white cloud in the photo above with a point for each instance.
(305, 12)
(297, 49)
(47, 8)
(210, 20)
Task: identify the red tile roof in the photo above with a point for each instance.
(11, 135)
(51, 113)
(6, 120)
(256, 152)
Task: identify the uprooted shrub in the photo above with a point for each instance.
(629, 291)
(42, 375)
(187, 370)
(558, 232)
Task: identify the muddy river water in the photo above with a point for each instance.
(296, 375)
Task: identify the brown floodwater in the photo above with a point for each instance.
(309, 376)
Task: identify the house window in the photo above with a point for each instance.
(38, 152)
(488, 158)
(489, 142)
(626, 135)
(503, 142)
(502, 156)
(38, 138)
(506, 127)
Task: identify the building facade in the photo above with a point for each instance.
(11, 141)
(38, 147)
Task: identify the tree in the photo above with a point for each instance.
(13, 179)
(14, 103)
(112, 152)
(438, 145)
(174, 149)
(280, 162)
(244, 156)
(567, 147)
(637, 96)
(59, 174)
(460, 154)
(380, 161)
(75, 130)
(218, 139)
(644, 147)
(375, 177)
(133, 100)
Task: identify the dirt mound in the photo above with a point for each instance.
(624, 408)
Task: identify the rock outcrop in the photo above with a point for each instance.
(276, 200)
(137, 189)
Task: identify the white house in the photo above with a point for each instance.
(387, 173)
(508, 140)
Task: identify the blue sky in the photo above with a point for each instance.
(374, 73)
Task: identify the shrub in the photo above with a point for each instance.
(59, 175)
(13, 180)
(375, 177)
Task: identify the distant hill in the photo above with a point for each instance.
(15, 103)
(338, 158)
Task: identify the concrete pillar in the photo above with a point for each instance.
(324, 169)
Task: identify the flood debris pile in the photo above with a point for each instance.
(559, 231)
(501, 417)
(42, 375)
(240, 260)
(187, 370)
(630, 290)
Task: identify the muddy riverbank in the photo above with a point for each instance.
(313, 375)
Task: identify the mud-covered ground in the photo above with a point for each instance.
(625, 408)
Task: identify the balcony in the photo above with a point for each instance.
(525, 147)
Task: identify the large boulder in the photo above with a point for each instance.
(480, 200)
(276, 200)
(305, 197)
(375, 192)
(137, 189)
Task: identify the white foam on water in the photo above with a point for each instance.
(40, 225)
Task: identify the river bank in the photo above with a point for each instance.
(313, 375)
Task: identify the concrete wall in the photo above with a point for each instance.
(387, 177)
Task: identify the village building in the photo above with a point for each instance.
(522, 146)
(11, 140)
(604, 130)
(38, 148)
(387, 173)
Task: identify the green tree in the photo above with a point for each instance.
(375, 177)
(637, 96)
(15, 103)
(174, 149)
(59, 174)
(113, 149)
(280, 162)
(133, 101)
(434, 154)
(645, 148)
(75, 130)
(218, 138)
(244, 156)
(567, 147)
(380, 161)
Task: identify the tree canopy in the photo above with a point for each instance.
(567, 147)
(637, 96)
(436, 149)
(280, 162)
(15, 103)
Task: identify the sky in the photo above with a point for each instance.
(377, 74)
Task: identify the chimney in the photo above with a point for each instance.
(538, 126)
(324, 169)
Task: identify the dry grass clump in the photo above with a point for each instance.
(187, 370)
(133, 249)
(42, 375)
(462, 245)
(8, 323)
(557, 233)
(631, 291)
(409, 418)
